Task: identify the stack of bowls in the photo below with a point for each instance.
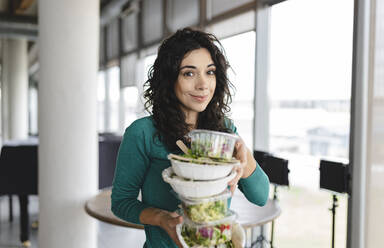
(201, 182)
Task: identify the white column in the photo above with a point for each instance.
(375, 160)
(15, 89)
(68, 171)
(365, 215)
(261, 103)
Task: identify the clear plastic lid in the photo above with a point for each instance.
(193, 201)
(231, 217)
(199, 131)
(202, 160)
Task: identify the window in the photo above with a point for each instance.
(240, 51)
(108, 96)
(148, 62)
(113, 96)
(33, 110)
(309, 95)
(101, 101)
(130, 96)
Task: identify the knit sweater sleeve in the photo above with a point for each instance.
(256, 186)
(131, 166)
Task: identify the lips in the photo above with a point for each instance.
(199, 98)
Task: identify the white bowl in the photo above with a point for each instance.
(191, 188)
(238, 236)
(201, 171)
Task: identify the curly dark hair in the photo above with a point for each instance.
(162, 76)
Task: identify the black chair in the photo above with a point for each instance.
(18, 172)
(18, 176)
(10, 203)
(108, 150)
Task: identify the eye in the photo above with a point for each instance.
(211, 72)
(188, 74)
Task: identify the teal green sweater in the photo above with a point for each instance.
(141, 159)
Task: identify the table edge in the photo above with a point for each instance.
(109, 221)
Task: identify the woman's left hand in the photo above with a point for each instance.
(240, 154)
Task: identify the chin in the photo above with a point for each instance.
(200, 109)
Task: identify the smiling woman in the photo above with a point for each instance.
(196, 83)
(188, 89)
(190, 58)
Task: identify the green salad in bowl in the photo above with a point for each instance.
(203, 210)
(213, 234)
(212, 144)
(217, 236)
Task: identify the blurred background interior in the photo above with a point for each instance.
(309, 87)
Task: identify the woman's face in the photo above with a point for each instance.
(196, 81)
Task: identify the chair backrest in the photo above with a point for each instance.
(18, 169)
(108, 150)
(19, 166)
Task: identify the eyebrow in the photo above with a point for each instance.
(194, 67)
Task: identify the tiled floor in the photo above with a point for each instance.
(109, 236)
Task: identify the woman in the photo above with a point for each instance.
(187, 89)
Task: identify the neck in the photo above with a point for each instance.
(191, 119)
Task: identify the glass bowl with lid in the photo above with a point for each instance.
(212, 144)
(207, 209)
(220, 233)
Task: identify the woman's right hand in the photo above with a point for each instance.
(168, 221)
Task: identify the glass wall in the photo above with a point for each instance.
(240, 51)
(309, 95)
(130, 97)
(101, 101)
(33, 110)
(108, 97)
(113, 91)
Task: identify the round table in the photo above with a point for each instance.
(99, 207)
(250, 215)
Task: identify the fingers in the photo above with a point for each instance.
(239, 174)
(173, 236)
(234, 181)
(233, 188)
(174, 214)
(177, 220)
(241, 152)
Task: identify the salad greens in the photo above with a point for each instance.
(212, 144)
(208, 236)
(206, 211)
(198, 159)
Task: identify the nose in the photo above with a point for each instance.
(202, 83)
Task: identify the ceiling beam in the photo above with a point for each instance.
(18, 26)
